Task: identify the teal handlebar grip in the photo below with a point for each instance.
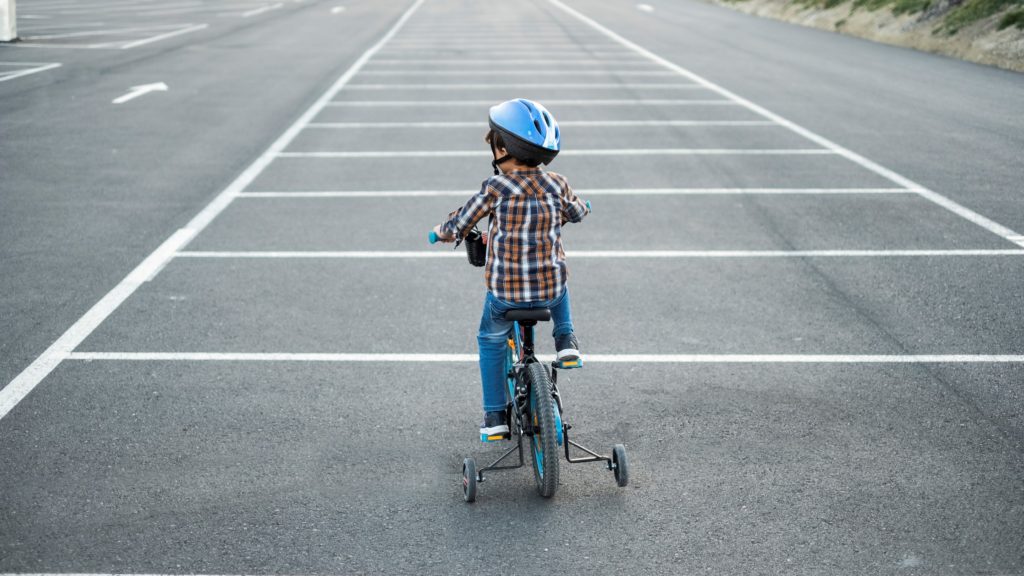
(432, 237)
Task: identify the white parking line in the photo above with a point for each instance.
(160, 37)
(35, 68)
(585, 102)
(594, 152)
(612, 254)
(590, 358)
(41, 367)
(525, 86)
(87, 33)
(569, 124)
(870, 165)
(581, 192)
(262, 10)
(525, 62)
(531, 73)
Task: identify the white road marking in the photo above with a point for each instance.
(524, 86)
(615, 254)
(41, 367)
(87, 33)
(589, 358)
(870, 165)
(645, 7)
(36, 67)
(461, 42)
(531, 73)
(570, 123)
(564, 153)
(160, 37)
(262, 10)
(140, 90)
(581, 192)
(523, 61)
(617, 102)
(337, 10)
(59, 350)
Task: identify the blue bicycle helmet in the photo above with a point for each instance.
(528, 130)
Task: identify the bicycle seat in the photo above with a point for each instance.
(523, 315)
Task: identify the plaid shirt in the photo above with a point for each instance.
(525, 261)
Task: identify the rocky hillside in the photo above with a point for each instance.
(984, 31)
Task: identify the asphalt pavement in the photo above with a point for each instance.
(230, 350)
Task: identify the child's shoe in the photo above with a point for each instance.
(494, 427)
(568, 351)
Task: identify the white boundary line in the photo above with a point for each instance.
(490, 63)
(581, 192)
(104, 32)
(5, 76)
(262, 10)
(870, 165)
(152, 39)
(529, 86)
(585, 102)
(613, 254)
(590, 358)
(592, 152)
(506, 73)
(41, 367)
(570, 124)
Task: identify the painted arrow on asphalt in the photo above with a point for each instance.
(137, 91)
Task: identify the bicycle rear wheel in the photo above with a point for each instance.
(544, 442)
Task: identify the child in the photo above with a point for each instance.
(525, 263)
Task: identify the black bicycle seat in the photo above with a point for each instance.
(528, 315)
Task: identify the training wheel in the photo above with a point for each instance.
(620, 465)
(469, 479)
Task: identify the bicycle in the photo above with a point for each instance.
(535, 411)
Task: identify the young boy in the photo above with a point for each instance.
(525, 263)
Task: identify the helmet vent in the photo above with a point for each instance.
(537, 124)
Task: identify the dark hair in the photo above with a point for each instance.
(496, 141)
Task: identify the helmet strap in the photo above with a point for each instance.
(498, 161)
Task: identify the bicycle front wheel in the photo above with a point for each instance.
(544, 442)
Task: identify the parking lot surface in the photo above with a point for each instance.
(232, 350)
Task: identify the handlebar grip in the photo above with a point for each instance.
(432, 237)
(588, 205)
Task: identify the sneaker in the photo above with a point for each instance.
(494, 427)
(568, 351)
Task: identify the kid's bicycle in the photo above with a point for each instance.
(535, 410)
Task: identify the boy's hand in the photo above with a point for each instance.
(441, 235)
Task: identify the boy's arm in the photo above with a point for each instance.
(462, 220)
(573, 209)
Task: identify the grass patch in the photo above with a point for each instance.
(973, 10)
(826, 4)
(898, 7)
(1012, 19)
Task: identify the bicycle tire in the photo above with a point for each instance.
(544, 441)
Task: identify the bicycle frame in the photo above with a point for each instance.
(519, 354)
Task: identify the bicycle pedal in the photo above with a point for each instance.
(568, 364)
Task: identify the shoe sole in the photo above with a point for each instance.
(569, 358)
(494, 434)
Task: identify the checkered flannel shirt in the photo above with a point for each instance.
(525, 261)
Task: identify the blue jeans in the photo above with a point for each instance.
(493, 341)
